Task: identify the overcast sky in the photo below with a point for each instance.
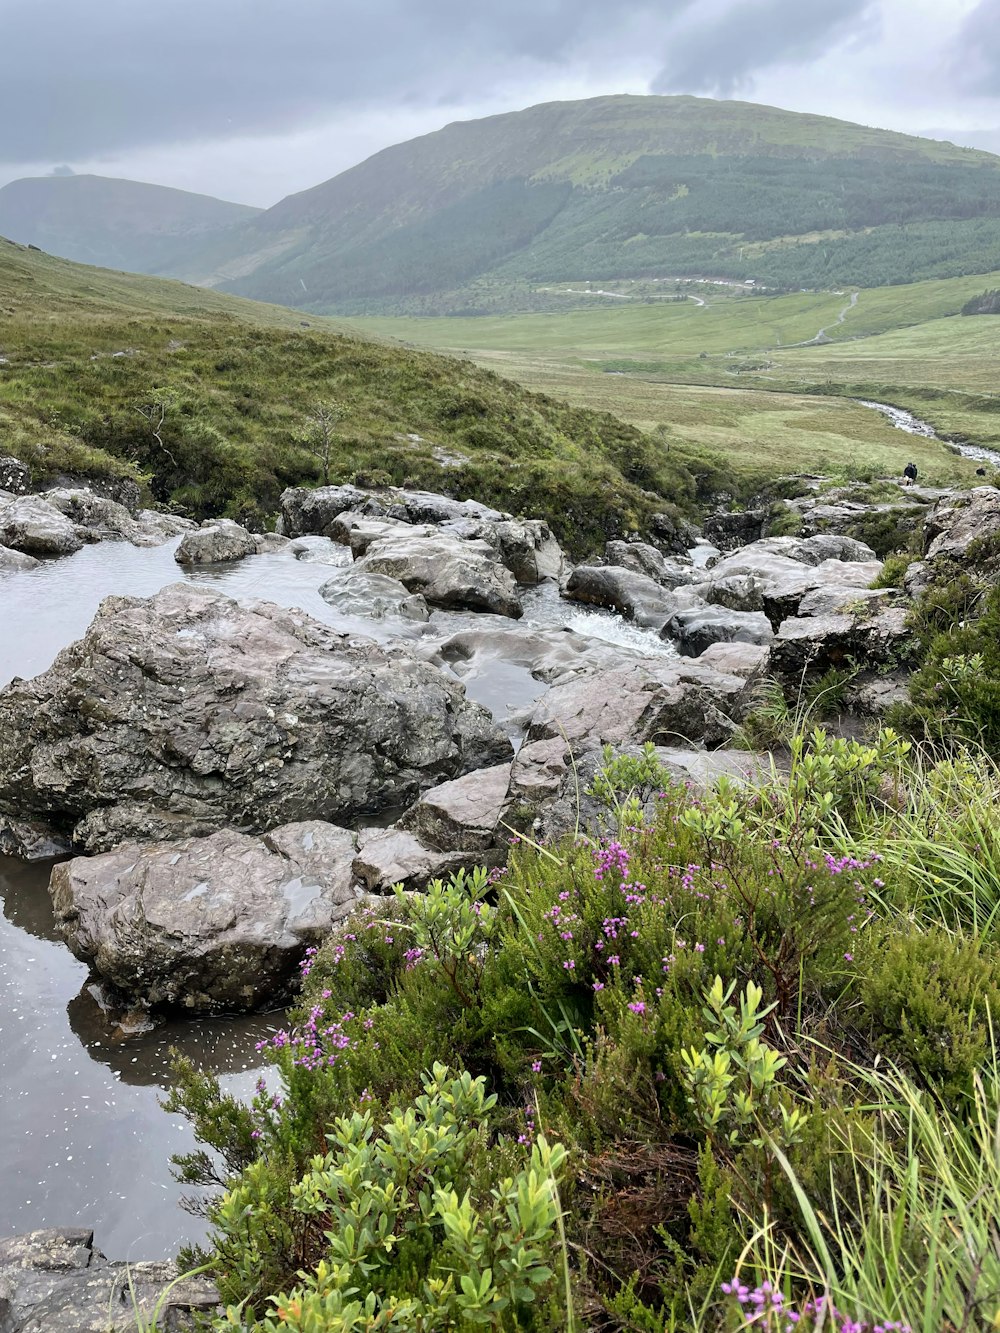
(253, 99)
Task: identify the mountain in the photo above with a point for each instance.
(113, 223)
(480, 214)
(82, 350)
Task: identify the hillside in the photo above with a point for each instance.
(478, 216)
(114, 223)
(82, 350)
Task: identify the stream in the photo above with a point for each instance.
(86, 1141)
(906, 421)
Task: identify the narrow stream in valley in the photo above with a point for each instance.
(86, 1140)
(912, 425)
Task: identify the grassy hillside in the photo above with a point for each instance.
(83, 350)
(114, 223)
(480, 215)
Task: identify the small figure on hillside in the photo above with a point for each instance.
(910, 474)
(980, 472)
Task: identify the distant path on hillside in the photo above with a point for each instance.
(821, 336)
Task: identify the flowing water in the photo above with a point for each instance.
(912, 425)
(85, 1141)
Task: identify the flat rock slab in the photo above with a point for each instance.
(216, 923)
(355, 592)
(635, 596)
(391, 856)
(184, 713)
(31, 525)
(446, 570)
(56, 1281)
(462, 815)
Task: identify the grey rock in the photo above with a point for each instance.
(697, 629)
(319, 551)
(957, 521)
(831, 601)
(357, 593)
(729, 531)
(643, 559)
(634, 596)
(446, 570)
(56, 1281)
(462, 815)
(271, 543)
(216, 542)
(16, 560)
(748, 660)
(104, 519)
(527, 547)
(32, 525)
(391, 856)
(873, 696)
(359, 531)
(30, 840)
(206, 924)
(185, 712)
(806, 647)
(304, 512)
(918, 578)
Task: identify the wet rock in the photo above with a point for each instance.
(32, 525)
(955, 523)
(760, 578)
(527, 547)
(57, 1281)
(632, 595)
(748, 660)
(730, 531)
(642, 701)
(30, 840)
(673, 534)
(391, 856)
(15, 476)
(304, 512)
(16, 560)
(447, 571)
(318, 551)
(462, 815)
(696, 629)
(185, 712)
(208, 924)
(215, 542)
(271, 543)
(809, 646)
(357, 593)
(359, 531)
(831, 600)
(156, 528)
(669, 572)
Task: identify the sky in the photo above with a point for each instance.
(251, 100)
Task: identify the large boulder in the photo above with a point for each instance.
(462, 815)
(56, 1281)
(16, 560)
(959, 521)
(182, 713)
(698, 628)
(526, 546)
(806, 647)
(313, 511)
(102, 518)
(355, 592)
(32, 525)
(669, 571)
(446, 570)
(216, 923)
(215, 542)
(634, 596)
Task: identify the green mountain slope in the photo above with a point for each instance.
(81, 350)
(480, 214)
(115, 223)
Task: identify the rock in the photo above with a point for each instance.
(319, 551)
(647, 560)
(271, 543)
(701, 769)
(875, 695)
(426, 507)
(445, 570)
(158, 528)
(918, 578)
(673, 534)
(357, 593)
(15, 476)
(760, 578)
(16, 560)
(527, 547)
(955, 523)
(642, 701)
(831, 601)
(32, 525)
(185, 712)
(208, 924)
(462, 815)
(748, 660)
(697, 629)
(56, 1281)
(731, 531)
(104, 519)
(359, 531)
(304, 512)
(391, 856)
(30, 840)
(632, 595)
(807, 647)
(215, 542)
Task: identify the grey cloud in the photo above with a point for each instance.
(975, 63)
(727, 44)
(78, 79)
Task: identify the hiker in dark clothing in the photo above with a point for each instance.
(910, 473)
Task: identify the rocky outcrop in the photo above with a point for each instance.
(57, 1281)
(390, 856)
(729, 531)
(313, 511)
(669, 572)
(216, 542)
(214, 923)
(634, 596)
(698, 628)
(527, 547)
(183, 713)
(807, 647)
(462, 815)
(36, 527)
(447, 571)
(959, 521)
(15, 476)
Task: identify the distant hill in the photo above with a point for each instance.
(474, 217)
(113, 223)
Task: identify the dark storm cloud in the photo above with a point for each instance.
(976, 57)
(80, 78)
(721, 50)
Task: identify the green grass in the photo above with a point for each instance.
(84, 348)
